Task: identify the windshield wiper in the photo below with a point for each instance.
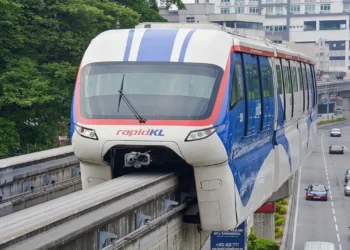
(121, 95)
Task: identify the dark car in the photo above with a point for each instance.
(316, 192)
(336, 149)
(347, 175)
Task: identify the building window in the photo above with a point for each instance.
(309, 9)
(325, 7)
(225, 1)
(295, 9)
(333, 25)
(309, 25)
(239, 10)
(269, 10)
(279, 10)
(196, 1)
(190, 19)
(346, 7)
(225, 11)
(253, 10)
(239, 2)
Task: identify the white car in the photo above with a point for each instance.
(335, 132)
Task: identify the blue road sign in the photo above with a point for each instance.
(325, 101)
(233, 239)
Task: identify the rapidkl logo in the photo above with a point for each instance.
(148, 132)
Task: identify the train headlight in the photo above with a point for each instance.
(200, 134)
(86, 132)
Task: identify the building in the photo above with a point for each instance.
(204, 12)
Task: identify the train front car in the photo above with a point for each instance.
(158, 97)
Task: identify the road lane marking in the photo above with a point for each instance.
(330, 192)
(297, 211)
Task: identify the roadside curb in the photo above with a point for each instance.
(290, 216)
(331, 124)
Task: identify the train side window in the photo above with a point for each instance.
(300, 80)
(288, 88)
(267, 92)
(309, 82)
(237, 85)
(312, 77)
(306, 87)
(253, 93)
(294, 79)
(280, 87)
(314, 82)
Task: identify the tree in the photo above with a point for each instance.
(148, 9)
(41, 45)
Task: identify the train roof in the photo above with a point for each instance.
(242, 42)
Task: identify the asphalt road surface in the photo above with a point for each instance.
(325, 220)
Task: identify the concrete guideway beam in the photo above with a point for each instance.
(75, 220)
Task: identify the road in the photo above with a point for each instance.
(325, 220)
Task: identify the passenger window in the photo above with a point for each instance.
(237, 85)
(279, 79)
(255, 85)
(306, 87)
(294, 80)
(300, 78)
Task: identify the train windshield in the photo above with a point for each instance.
(156, 90)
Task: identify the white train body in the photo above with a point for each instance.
(213, 100)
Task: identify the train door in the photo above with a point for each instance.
(268, 101)
(253, 114)
(287, 90)
(237, 107)
(280, 94)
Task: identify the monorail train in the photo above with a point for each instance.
(241, 111)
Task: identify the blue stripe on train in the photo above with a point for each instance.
(157, 45)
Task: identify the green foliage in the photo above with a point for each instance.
(278, 216)
(41, 46)
(331, 121)
(255, 243)
(283, 210)
(278, 232)
(279, 222)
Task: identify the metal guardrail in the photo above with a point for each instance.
(89, 218)
(333, 86)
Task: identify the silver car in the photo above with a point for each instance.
(335, 132)
(347, 189)
(347, 175)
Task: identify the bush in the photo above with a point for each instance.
(278, 216)
(279, 222)
(283, 210)
(264, 244)
(278, 232)
(255, 243)
(284, 201)
(278, 208)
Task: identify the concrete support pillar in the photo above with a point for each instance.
(264, 221)
(346, 107)
(346, 103)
